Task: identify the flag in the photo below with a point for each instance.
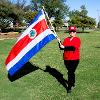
(35, 37)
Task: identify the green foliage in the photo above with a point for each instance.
(16, 29)
(29, 15)
(83, 12)
(57, 23)
(55, 8)
(40, 85)
(80, 19)
(98, 26)
(4, 23)
(4, 14)
(8, 13)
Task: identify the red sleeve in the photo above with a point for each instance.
(64, 42)
(77, 43)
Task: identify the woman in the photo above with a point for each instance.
(71, 56)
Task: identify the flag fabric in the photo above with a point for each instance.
(35, 37)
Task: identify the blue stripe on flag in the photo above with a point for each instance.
(36, 17)
(31, 53)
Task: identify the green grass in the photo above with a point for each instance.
(40, 85)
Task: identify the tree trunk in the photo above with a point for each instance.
(82, 29)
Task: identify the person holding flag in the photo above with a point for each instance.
(71, 55)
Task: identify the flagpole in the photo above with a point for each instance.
(51, 24)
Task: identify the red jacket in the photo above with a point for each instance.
(72, 55)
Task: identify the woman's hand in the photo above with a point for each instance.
(61, 46)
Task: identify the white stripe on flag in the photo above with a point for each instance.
(30, 27)
(29, 47)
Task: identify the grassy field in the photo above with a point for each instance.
(40, 85)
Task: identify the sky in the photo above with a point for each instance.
(92, 6)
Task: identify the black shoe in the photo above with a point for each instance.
(69, 91)
(66, 81)
(73, 85)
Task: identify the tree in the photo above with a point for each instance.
(29, 15)
(18, 10)
(55, 8)
(20, 3)
(81, 19)
(98, 26)
(57, 23)
(52, 7)
(4, 14)
(8, 13)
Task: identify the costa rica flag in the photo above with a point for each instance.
(35, 37)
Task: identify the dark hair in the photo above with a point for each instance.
(72, 31)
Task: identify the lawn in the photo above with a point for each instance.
(41, 85)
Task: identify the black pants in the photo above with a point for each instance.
(71, 66)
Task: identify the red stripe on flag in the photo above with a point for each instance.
(40, 26)
(21, 44)
(17, 48)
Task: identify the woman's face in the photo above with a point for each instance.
(72, 34)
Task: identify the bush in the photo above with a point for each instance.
(12, 30)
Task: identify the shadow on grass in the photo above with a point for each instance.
(97, 47)
(56, 74)
(29, 67)
(26, 69)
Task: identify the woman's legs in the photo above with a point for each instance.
(71, 66)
